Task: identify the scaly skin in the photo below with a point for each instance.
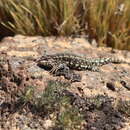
(63, 62)
(76, 62)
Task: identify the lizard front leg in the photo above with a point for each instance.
(64, 70)
(60, 68)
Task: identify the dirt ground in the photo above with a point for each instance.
(31, 98)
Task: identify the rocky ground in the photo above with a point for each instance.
(31, 98)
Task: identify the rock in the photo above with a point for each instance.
(112, 81)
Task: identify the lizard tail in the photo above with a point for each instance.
(119, 61)
(103, 61)
(116, 60)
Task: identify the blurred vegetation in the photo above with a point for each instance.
(106, 21)
(55, 104)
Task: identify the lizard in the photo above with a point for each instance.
(63, 63)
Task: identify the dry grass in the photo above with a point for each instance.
(107, 21)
